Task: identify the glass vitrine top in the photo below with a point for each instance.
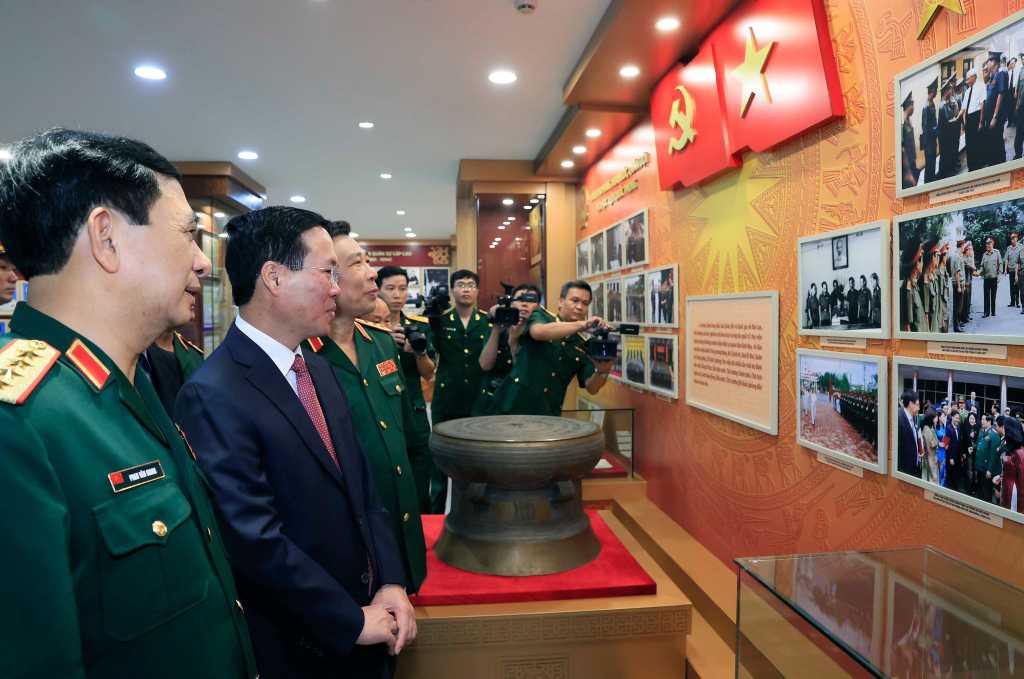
(903, 612)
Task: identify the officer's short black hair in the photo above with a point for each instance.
(582, 285)
(55, 179)
(338, 227)
(908, 397)
(464, 273)
(271, 234)
(526, 286)
(389, 271)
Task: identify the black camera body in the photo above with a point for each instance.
(416, 338)
(505, 315)
(602, 347)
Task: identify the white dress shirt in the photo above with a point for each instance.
(282, 356)
(974, 97)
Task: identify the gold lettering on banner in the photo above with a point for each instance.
(622, 176)
(683, 121)
(618, 195)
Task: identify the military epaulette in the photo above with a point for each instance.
(23, 365)
(418, 319)
(316, 344)
(375, 326)
(90, 367)
(362, 330)
(188, 343)
(549, 312)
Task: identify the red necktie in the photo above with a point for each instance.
(307, 394)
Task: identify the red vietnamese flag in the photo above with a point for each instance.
(777, 71)
(689, 128)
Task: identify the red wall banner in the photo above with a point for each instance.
(411, 254)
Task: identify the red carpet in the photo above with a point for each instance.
(615, 471)
(613, 573)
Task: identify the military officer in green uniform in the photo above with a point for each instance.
(412, 337)
(498, 355)
(366, 361)
(459, 336)
(115, 566)
(168, 363)
(987, 464)
(552, 354)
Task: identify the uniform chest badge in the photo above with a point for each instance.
(133, 477)
(386, 368)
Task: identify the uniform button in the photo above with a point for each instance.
(364, 578)
(553, 374)
(209, 534)
(405, 517)
(442, 385)
(515, 379)
(545, 390)
(365, 383)
(577, 359)
(398, 388)
(160, 529)
(398, 469)
(466, 350)
(383, 425)
(241, 609)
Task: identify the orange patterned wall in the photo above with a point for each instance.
(739, 491)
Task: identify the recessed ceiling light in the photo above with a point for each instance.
(501, 227)
(527, 227)
(541, 196)
(385, 175)
(511, 219)
(497, 238)
(502, 76)
(353, 234)
(593, 133)
(407, 229)
(297, 199)
(400, 213)
(508, 201)
(567, 164)
(666, 24)
(248, 155)
(366, 125)
(5, 155)
(527, 207)
(150, 72)
(579, 150)
(629, 71)
(410, 235)
(219, 215)
(535, 200)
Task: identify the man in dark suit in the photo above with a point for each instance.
(319, 570)
(930, 132)
(909, 448)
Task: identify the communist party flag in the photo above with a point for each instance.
(777, 72)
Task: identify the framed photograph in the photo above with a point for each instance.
(614, 246)
(417, 287)
(957, 459)
(839, 415)
(597, 300)
(663, 365)
(583, 258)
(956, 272)
(936, 146)
(613, 300)
(636, 239)
(634, 299)
(634, 360)
(597, 253)
(855, 302)
(433, 277)
(662, 306)
(616, 369)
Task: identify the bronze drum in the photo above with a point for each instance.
(517, 507)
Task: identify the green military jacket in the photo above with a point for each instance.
(986, 453)
(375, 390)
(492, 379)
(542, 372)
(457, 380)
(115, 566)
(189, 356)
(418, 432)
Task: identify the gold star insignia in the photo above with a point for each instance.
(751, 72)
(931, 8)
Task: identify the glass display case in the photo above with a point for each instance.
(217, 311)
(912, 612)
(618, 459)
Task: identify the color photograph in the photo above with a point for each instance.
(616, 369)
(597, 264)
(634, 305)
(957, 113)
(957, 271)
(636, 239)
(958, 433)
(662, 305)
(613, 300)
(597, 300)
(844, 281)
(583, 258)
(634, 360)
(839, 416)
(663, 364)
(614, 246)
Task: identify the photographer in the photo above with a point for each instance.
(498, 355)
(552, 352)
(412, 336)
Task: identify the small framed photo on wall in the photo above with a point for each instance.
(583, 258)
(840, 252)
(637, 246)
(597, 253)
(613, 300)
(614, 246)
(634, 299)
(662, 305)
(634, 360)
(663, 364)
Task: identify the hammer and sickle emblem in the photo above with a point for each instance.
(683, 121)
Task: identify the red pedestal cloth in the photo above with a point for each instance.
(613, 573)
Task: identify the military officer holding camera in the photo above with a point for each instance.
(552, 353)
(498, 355)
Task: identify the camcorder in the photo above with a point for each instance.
(434, 304)
(505, 315)
(602, 347)
(416, 338)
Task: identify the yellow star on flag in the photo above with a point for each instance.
(931, 8)
(751, 72)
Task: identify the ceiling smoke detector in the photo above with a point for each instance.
(526, 6)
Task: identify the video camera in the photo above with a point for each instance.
(602, 347)
(417, 339)
(505, 315)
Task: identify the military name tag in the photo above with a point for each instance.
(129, 478)
(386, 368)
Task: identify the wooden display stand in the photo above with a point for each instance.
(606, 638)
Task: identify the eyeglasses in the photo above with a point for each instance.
(331, 271)
(465, 286)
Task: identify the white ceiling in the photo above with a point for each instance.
(291, 78)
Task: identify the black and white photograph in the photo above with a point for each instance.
(583, 258)
(663, 365)
(839, 416)
(957, 112)
(958, 431)
(433, 277)
(613, 300)
(634, 299)
(597, 299)
(957, 272)
(614, 246)
(636, 239)
(416, 288)
(844, 281)
(662, 306)
(597, 264)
